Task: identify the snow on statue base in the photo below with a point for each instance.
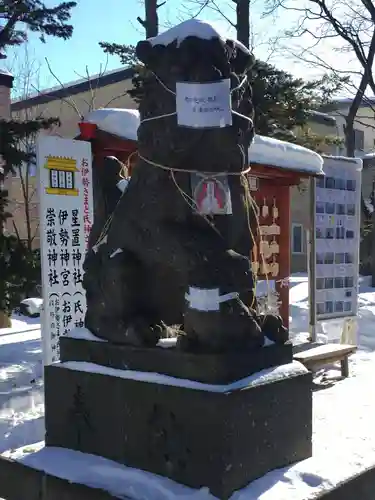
(210, 368)
(61, 474)
(220, 436)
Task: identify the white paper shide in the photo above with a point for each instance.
(204, 105)
(66, 215)
(337, 212)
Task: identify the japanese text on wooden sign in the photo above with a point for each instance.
(337, 237)
(66, 214)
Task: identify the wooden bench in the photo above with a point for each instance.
(326, 354)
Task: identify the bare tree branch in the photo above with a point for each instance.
(115, 98)
(91, 104)
(141, 22)
(26, 77)
(69, 101)
(151, 21)
(352, 26)
(220, 11)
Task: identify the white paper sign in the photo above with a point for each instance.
(204, 105)
(66, 215)
(337, 237)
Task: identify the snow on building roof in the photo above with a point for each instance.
(264, 150)
(357, 162)
(323, 118)
(269, 151)
(193, 27)
(117, 121)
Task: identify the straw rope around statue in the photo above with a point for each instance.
(191, 203)
(249, 203)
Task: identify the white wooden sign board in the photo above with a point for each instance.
(66, 216)
(337, 239)
(204, 105)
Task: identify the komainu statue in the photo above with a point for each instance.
(176, 250)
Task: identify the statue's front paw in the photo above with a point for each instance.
(273, 328)
(140, 333)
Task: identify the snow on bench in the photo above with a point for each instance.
(326, 354)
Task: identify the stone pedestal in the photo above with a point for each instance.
(21, 482)
(210, 368)
(222, 437)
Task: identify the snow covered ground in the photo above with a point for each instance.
(21, 384)
(344, 415)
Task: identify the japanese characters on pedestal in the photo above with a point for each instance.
(65, 191)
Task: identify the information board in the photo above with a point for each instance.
(66, 214)
(337, 238)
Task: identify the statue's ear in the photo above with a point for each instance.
(111, 162)
(242, 61)
(111, 159)
(144, 51)
(111, 170)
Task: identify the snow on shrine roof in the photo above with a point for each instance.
(269, 151)
(117, 121)
(357, 162)
(193, 27)
(264, 150)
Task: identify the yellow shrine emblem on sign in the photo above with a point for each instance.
(61, 176)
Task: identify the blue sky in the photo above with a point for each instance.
(116, 21)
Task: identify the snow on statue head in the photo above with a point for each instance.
(197, 77)
(177, 250)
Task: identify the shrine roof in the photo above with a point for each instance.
(194, 27)
(264, 150)
(285, 155)
(117, 121)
